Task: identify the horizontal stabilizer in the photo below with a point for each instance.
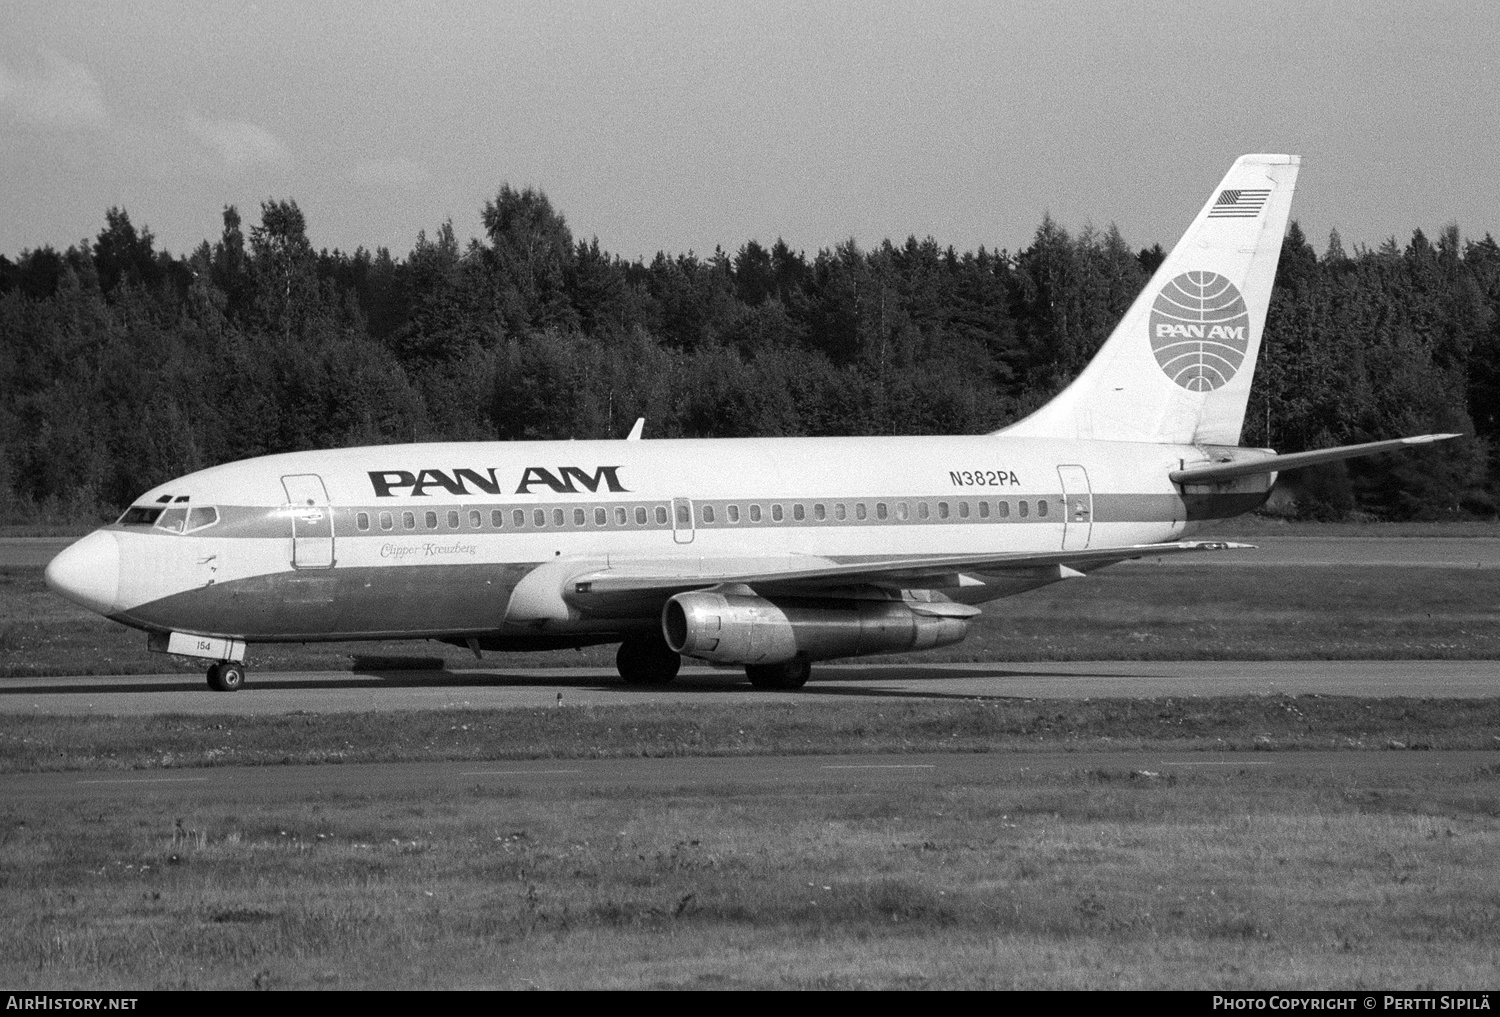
(1242, 466)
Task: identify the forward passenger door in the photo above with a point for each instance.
(312, 521)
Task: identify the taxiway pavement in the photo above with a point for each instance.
(488, 689)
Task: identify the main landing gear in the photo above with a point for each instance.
(647, 660)
(792, 674)
(226, 676)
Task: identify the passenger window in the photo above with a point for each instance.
(430, 518)
(942, 510)
(207, 515)
(476, 519)
(1025, 510)
(963, 510)
(362, 521)
(518, 517)
(1041, 507)
(579, 517)
(924, 511)
(984, 510)
(385, 521)
(172, 519)
(901, 511)
(776, 513)
(409, 520)
(880, 512)
(755, 513)
(1004, 509)
(859, 510)
(799, 513)
(818, 512)
(453, 519)
(497, 518)
(558, 518)
(601, 516)
(661, 515)
(734, 513)
(838, 511)
(539, 517)
(640, 515)
(708, 513)
(621, 516)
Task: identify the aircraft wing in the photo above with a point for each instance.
(604, 590)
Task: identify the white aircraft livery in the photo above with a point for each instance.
(768, 553)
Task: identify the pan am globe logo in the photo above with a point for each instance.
(1200, 330)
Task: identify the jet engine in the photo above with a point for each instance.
(742, 628)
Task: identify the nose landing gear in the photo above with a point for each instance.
(226, 676)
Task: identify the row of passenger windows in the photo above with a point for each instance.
(659, 515)
(518, 518)
(903, 511)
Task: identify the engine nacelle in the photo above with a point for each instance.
(734, 628)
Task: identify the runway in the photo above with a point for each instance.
(269, 693)
(252, 785)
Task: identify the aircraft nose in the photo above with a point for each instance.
(88, 572)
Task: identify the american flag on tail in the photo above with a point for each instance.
(1239, 204)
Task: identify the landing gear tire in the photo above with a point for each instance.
(226, 676)
(647, 660)
(792, 674)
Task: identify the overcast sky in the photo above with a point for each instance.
(676, 127)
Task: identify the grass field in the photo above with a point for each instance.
(1091, 879)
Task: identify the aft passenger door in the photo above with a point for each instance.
(682, 520)
(1078, 507)
(312, 521)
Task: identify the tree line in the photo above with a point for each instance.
(124, 365)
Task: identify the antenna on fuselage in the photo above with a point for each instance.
(636, 429)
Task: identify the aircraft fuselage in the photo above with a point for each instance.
(431, 540)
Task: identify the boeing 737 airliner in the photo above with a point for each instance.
(764, 552)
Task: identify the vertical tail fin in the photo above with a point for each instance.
(1177, 369)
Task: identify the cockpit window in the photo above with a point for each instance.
(172, 519)
(201, 516)
(139, 515)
